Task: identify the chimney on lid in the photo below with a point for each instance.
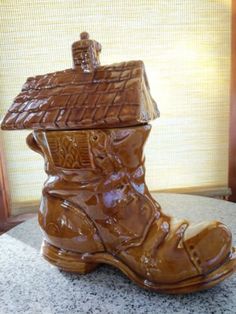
(86, 53)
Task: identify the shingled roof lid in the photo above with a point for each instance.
(87, 96)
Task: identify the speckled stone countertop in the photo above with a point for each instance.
(28, 284)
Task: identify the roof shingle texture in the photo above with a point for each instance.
(111, 96)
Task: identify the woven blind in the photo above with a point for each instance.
(186, 49)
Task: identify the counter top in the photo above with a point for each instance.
(30, 285)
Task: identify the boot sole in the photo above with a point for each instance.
(84, 263)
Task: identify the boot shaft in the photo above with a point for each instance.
(96, 158)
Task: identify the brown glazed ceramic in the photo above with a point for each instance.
(90, 125)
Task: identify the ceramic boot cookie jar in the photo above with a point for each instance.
(90, 124)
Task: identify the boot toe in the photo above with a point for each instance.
(208, 245)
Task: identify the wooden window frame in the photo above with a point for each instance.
(232, 122)
(5, 211)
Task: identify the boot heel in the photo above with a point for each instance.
(66, 260)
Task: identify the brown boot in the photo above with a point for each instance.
(91, 123)
(96, 208)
